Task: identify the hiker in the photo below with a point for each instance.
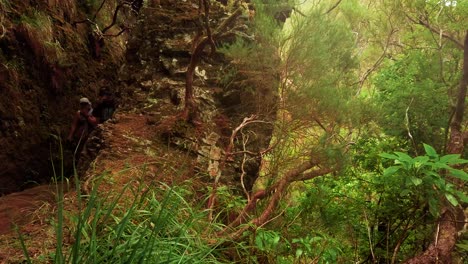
(83, 123)
(105, 107)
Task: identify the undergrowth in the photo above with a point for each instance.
(157, 224)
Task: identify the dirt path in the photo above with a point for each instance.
(131, 153)
(126, 142)
(18, 208)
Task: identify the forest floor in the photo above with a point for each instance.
(132, 154)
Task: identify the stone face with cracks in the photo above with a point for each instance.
(160, 50)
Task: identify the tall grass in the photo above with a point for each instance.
(158, 225)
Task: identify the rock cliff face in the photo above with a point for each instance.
(54, 52)
(153, 83)
(49, 58)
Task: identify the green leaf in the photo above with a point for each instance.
(388, 156)
(439, 183)
(404, 157)
(299, 252)
(276, 239)
(434, 174)
(459, 174)
(416, 181)
(464, 245)
(430, 151)
(421, 159)
(462, 196)
(405, 192)
(259, 243)
(440, 165)
(315, 239)
(451, 199)
(390, 171)
(266, 240)
(452, 159)
(433, 207)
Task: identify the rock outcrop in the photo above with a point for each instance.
(153, 83)
(49, 58)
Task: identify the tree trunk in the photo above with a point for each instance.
(455, 145)
(441, 248)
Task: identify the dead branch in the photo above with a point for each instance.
(84, 21)
(299, 12)
(206, 4)
(321, 125)
(408, 127)
(258, 154)
(3, 30)
(115, 16)
(333, 7)
(245, 122)
(124, 29)
(99, 9)
(244, 159)
(275, 192)
(377, 62)
(426, 24)
(190, 111)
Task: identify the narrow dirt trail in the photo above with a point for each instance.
(132, 151)
(126, 143)
(130, 154)
(18, 208)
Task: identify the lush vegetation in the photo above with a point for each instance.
(361, 168)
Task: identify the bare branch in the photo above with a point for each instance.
(407, 125)
(3, 31)
(245, 122)
(206, 4)
(299, 12)
(320, 124)
(313, 174)
(84, 21)
(275, 193)
(228, 155)
(377, 62)
(333, 7)
(190, 110)
(426, 24)
(244, 159)
(99, 9)
(114, 18)
(124, 29)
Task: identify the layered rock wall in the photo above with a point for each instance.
(153, 81)
(48, 60)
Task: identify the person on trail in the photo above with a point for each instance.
(105, 107)
(83, 123)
